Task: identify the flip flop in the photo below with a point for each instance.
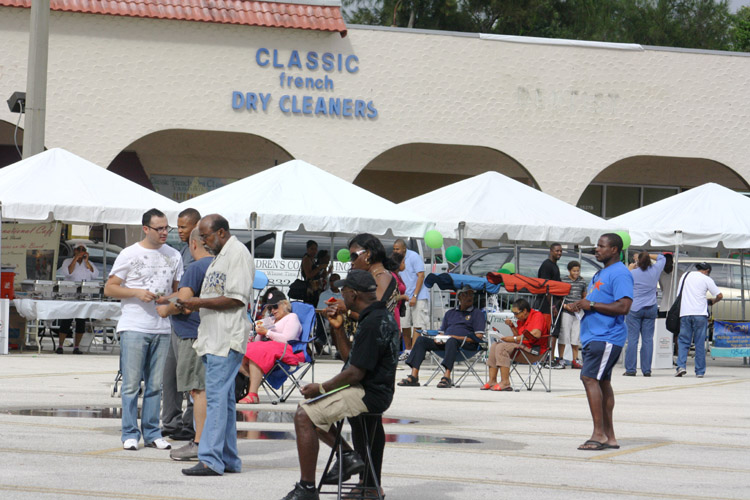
(597, 445)
(251, 399)
(499, 388)
(613, 446)
(485, 387)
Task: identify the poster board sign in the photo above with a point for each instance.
(731, 335)
(32, 249)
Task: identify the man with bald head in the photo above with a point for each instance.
(222, 336)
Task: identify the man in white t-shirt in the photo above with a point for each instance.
(141, 276)
(417, 313)
(694, 316)
(76, 268)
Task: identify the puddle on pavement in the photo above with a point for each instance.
(263, 416)
(389, 438)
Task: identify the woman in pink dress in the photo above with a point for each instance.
(278, 327)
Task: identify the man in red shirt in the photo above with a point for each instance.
(527, 335)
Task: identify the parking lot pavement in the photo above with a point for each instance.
(681, 438)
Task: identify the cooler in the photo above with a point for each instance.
(7, 282)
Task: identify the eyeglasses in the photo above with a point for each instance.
(517, 313)
(356, 255)
(203, 237)
(163, 229)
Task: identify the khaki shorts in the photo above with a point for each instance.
(191, 374)
(417, 316)
(570, 330)
(329, 410)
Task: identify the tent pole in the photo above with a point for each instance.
(253, 223)
(742, 280)
(517, 264)
(461, 228)
(104, 257)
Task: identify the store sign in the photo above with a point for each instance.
(180, 187)
(303, 89)
(31, 249)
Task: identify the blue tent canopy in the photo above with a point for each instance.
(451, 281)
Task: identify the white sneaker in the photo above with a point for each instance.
(159, 444)
(130, 444)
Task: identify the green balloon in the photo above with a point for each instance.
(453, 254)
(508, 268)
(433, 239)
(343, 255)
(625, 238)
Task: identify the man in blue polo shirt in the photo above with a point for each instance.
(603, 334)
(465, 327)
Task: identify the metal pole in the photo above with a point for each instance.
(461, 228)
(253, 224)
(742, 280)
(36, 79)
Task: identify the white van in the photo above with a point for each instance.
(279, 253)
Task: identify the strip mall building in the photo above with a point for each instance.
(187, 95)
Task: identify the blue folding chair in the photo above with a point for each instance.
(260, 282)
(273, 381)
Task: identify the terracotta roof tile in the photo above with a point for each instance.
(245, 12)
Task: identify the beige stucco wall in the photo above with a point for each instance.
(563, 113)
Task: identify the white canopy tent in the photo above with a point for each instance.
(495, 207)
(297, 194)
(57, 185)
(706, 216)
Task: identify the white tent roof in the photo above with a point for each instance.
(706, 216)
(58, 185)
(497, 207)
(297, 193)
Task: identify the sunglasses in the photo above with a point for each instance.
(516, 313)
(356, 255)
(273, 307)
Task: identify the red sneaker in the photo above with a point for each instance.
(576, 364)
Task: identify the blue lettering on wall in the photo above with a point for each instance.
(296, 61)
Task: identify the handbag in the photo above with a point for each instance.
(241, 386)
(673, 316)
(298, 290)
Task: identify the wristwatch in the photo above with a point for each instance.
(591, 306)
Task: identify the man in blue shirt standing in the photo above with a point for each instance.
(603, 334)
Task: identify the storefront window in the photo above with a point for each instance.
(654, 194)
(622, 199)
(591, 200)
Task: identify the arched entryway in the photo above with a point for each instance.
(182, 164)
(637, 181)
(8, 152)
(410, 170)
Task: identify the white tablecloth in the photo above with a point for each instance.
(64, 309)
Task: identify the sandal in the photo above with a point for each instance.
(409, 381)
(499, 388)
(251, 399)
(445, 383)
(486, 387)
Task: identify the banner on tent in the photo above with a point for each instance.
(731, 335)
(32, 249)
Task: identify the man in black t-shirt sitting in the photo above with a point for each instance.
(365, 385)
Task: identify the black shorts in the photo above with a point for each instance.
(599, 358)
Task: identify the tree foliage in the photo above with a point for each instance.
(703, 24)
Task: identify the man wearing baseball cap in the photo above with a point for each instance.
(365, 385)
(694, 317)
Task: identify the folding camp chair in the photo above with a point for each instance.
(260, 282)
(536, 367)
(466, 357)
(273, 381)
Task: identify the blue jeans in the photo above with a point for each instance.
(640, 323)
(218, 446)
(692, 330)
(142, 357)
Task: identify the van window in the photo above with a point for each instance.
(737, 277)
(295, 244)
(490, 262)
(719, 272)
(264, 242)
